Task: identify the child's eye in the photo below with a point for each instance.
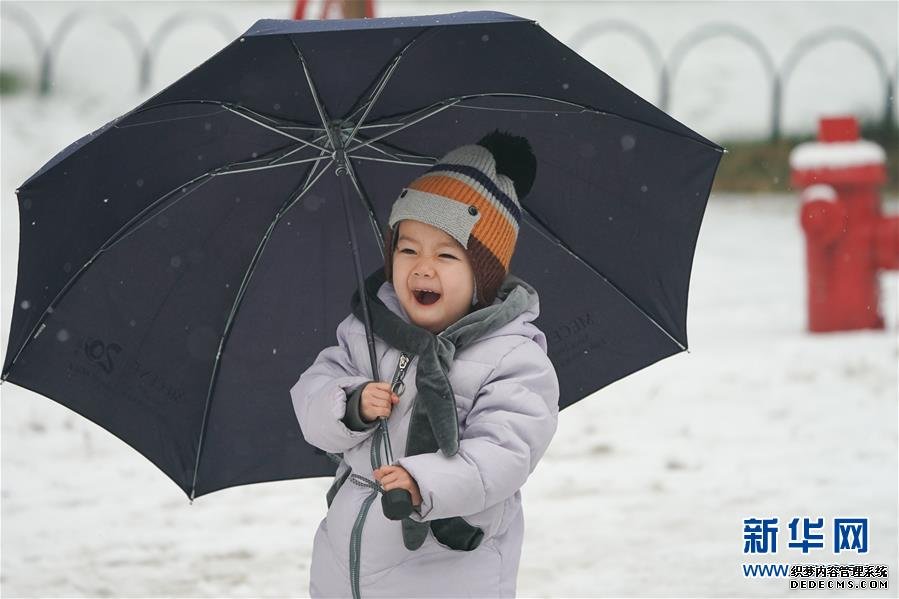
(411, 251)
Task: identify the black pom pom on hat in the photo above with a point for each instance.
(514, 159)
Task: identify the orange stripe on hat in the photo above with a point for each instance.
(493, 229)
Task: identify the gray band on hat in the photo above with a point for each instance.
(446, 214)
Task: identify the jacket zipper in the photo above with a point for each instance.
(397, 386)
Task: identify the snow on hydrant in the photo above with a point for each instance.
(848, 240)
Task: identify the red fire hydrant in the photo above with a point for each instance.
(848, 240)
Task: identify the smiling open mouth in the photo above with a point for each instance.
(425, 298)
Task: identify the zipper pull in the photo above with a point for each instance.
(398, 386)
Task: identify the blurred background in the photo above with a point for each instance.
(646, 487)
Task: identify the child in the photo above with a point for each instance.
(472, 404)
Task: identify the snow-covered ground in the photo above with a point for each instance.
(646, 486)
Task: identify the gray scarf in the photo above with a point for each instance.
(434, 423)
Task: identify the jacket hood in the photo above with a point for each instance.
(521, 325)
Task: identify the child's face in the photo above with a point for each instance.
(428, 258)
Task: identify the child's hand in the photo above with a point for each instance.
(377, 400)
(397, 477)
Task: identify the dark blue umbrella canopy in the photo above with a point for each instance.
(182, 265)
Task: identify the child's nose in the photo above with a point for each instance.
(424, 268)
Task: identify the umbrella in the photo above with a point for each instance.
(180, 266)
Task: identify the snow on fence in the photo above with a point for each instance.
(47, 49)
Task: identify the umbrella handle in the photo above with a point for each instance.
(396, 503)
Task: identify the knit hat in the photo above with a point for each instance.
(472, 194)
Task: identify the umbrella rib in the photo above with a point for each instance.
(275, 129)
(320, 129)
(235, 306)
(551, 236)
(341, 151)
(297, 149)
(393, 155)
(140, 220)
(259, 114)
(381, 85)
(452, 102)
(308, 177)
(380, 125)
(401, 152)
(169, 119)
(382, 82)
(443, 106)
(392, 161)
(239, 111)
(39, 325)
(529, 110)
(377, 93)
(322, 113)
(135, 223)
(226, 105)
(267, 166)
(291, 127)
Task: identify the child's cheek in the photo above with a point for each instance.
(394, 265)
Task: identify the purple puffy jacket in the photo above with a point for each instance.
(507, 398)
